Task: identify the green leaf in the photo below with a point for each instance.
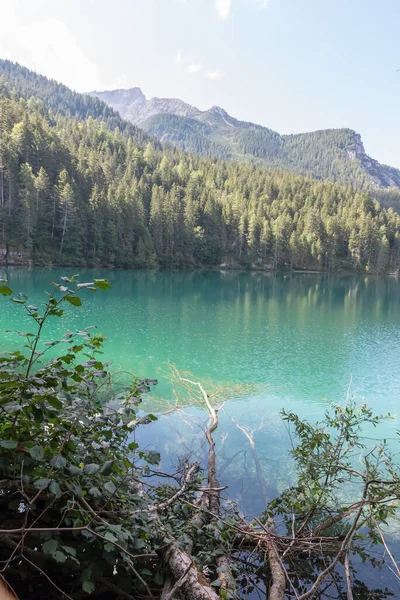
(55, 489)
(56, 313)
(58, 462)
(74, 300)
(87, 535)
(88, 587)
(59, 556)
(41, 483)
(5, 290)
(107, 467)
(74, 470)
(69, 550)
(150, 456)
(9, 444)
(109, 536)
(55, 402)
(50, 547)
(102, 284)
(110, 487)
(95, 492)
(36, 452)
(91, 469)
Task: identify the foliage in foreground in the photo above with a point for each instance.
(84, 513)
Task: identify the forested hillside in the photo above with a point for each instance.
(81, 192)
(63, 101)
(334, 154)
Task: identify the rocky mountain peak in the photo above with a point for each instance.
(224, 136)
(217, 110)
(121, 96)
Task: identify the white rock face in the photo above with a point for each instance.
(380, 175)
(133, 105)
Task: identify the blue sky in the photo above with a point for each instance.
(291, 65)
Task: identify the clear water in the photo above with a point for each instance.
(291, 340)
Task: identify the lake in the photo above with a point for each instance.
(269, 341)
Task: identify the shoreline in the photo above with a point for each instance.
(223, 268)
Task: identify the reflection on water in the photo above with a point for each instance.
(302, 335)
(298, 338)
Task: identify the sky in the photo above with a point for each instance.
(290, 65)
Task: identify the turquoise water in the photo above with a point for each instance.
(305, 337)
(291, 340)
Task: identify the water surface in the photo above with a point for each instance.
(305, 336)
(298, 339)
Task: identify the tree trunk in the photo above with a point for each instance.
(194, 585)
(64, 227)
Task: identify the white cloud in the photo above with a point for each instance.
(191, 63)
(263, 3)
(223, 7)
(49, 48)
(217, 74)
(194, 68)
(180, 59)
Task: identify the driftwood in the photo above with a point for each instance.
(278, 573)
(210, 498)
(193, 586)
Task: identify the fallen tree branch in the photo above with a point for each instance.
(194, 585)
(190, 472)
(210, 497)
(348, 577)
(278, 571)
(175, 588)
(396, 566)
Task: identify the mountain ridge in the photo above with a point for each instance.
(333, 154)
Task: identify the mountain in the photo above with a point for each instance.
(62, 100)
(334, 154)
(79, 186)
(133, 105)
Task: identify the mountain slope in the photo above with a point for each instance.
(79, 192)
(334, 154)
(62, 100)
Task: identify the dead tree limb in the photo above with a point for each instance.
(348, 577)
(188, 477)
(194, 585)
(278, 572)
(210, 498)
